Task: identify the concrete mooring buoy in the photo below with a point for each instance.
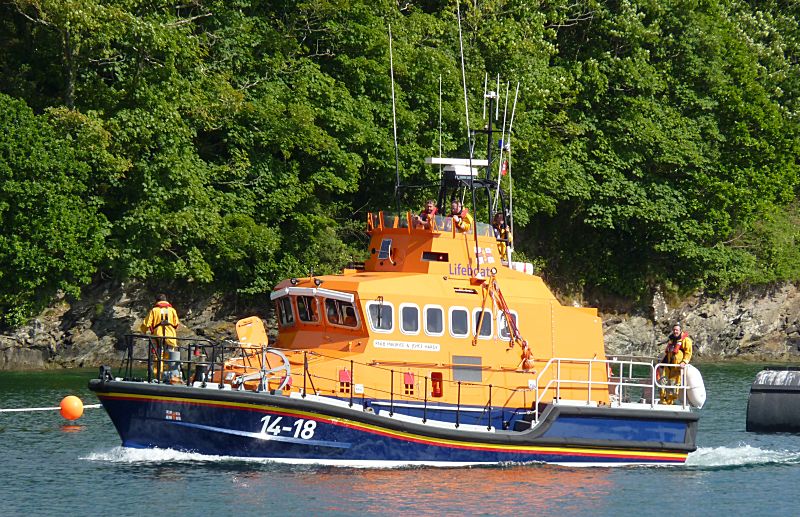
(774, 402)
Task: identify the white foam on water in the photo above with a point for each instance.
(743, 455)
(155, 455)
(161, 456)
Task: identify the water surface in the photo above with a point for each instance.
(50, 466)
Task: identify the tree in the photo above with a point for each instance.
(51, 231)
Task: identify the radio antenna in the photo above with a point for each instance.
(485, 84)
(464, 83)
(440, 125)
(510, 182)
(502, 148)
(466, 112)
(394, 126)
(497, 106)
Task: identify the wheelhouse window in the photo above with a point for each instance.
(350, 318)
(434, 320)
(340, 313)
(307, 309)
(459, 322)
(502, 325)
(285, 314)
(380, 316)
(409, 319)
(386, 249)
(483, 323)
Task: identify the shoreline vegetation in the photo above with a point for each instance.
(221, 147)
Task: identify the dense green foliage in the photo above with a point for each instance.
(231, 143)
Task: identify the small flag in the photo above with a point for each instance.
(504, 168)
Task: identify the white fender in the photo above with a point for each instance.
(696, 389)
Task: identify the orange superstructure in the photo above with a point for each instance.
(433, 305)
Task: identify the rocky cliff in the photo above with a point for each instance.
(759, 325)
(90, 331)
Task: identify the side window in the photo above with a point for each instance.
(307, 309)
(380, 316)
(502, 325)
(386, 249)
(340, 313)
(483, 323)
(285, 314)
(349, 318)
(332, 312)
(434, 320)
(459, 322)
(409, 319)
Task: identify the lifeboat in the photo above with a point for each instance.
(436, 350)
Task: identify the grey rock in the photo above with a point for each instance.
(762, 324)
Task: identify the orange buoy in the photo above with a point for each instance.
(71, 407)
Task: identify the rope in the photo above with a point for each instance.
(516, 337)
(25, 409)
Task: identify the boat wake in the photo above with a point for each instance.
(160, 456)
(703, 458)
(742, 456)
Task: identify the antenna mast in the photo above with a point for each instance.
(394, 126)
(497, 106)
(485, 84)
(440, 125)
(502, 148)
(469, 135)
(511, 183)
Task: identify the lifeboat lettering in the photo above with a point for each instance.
(301, 428)
(406, 345)
(462, 270)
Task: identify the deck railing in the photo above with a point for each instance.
(176, 360)
(629, 380)
(439, 223)
(191, 361)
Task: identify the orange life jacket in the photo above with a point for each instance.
(675, 344)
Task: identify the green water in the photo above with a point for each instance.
(52, 467)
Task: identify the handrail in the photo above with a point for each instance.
(205, 355)
(403, 220)
(209, 356)
(653, 380)
(156, 346)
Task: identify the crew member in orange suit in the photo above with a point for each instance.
(678, 351)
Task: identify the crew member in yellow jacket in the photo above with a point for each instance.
(503, 236)
(162, 321)
(678, 351)
(461, 218)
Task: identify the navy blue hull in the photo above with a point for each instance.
(245, 424)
